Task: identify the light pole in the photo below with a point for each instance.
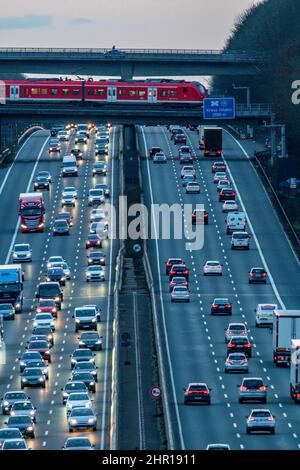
(248, 101)
(273, 128)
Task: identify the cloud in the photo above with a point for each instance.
(79, 21)
(25, 22)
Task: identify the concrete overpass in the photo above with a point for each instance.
(129, 63)
(127, 114)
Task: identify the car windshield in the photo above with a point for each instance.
(253, 383)
(31, 211)
(260, 414)
(9, 433)
(237, 357)
(24, 405)
(221, 301)
(38, 345)
(94, 268)
(75, 386)
(96, 192)
(32, 371)
(84, 313)
(31, 355)
(6, 307)
(99, 165)
(78, 396)
(89, 336)
(46, 303)
(48, 290)
(82, 412)
(84, 376)
(15, 396)
(180, 289)
(257, 271)
(21, 247)
(241, 236)
(213, 263)
(237, 340)
(197, 387)
(45, 316)
(85, 366)
(20, 419)
(13, 444)
(55, 271)
(236, 327)
(83, 353)
(78, 442)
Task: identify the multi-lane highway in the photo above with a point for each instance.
(193, 340)
(51, 426)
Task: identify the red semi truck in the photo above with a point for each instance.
(31, 212)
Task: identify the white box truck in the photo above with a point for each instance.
(286, 326)
(295, 370)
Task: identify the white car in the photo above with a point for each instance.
(223, 184)
(95, 272)
(42, 319)
(264, 314)
(97, 215)
(218, 447)
(63, 136)
(220, 175)
(100, 228)
(76, 399)
(230, 206)
(160, 158)
(22, 253)
(70, 191)
(212, 268)
(95, 309)
(54, 259)
(235, 329)
(96, 196)
(192, 188)
(187, 169)
(180, 294)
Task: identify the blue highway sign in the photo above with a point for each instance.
(219, 108)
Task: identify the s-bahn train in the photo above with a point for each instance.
(104, 91)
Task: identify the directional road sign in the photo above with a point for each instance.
(219, 108)
(155, 392)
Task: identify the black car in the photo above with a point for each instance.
(179, 270)
(71, 387)
(197, 393)
(80, 355)
(77, 153)
(27, 359)
(226, 194)
(41, 182)
(257, 275)
(221, 305)
(56, 274)
(54, 146)
(50, 290)
(170, 263)
(239, 344)
(87, 378)
(91, 340)
(96, 257)
(23, 423)
(180, 139)
(10, 398)
(46, 331)
(175, 131)
(61, 227)
(153, 151)
(199, 216)
(33, 377)
(186, 158)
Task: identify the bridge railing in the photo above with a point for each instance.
(254, 109)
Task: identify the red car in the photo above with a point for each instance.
(93, 240)
(42, 347)
(47, 306)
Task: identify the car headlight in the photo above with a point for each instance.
(92, 384)
(22, 363)
(65, 394)
(41, 225)
(73, 361)
(13, 413)
(98, 342)
(32, 413)
(93, 372)
(73, 421)
(5, 403)
(94, 320)
(24, 379)
(63, 278)
(41, 379)
(17, 305)
(77, 320)
(23, 226)
(15, 255)
(45, 371)
(56, 299)
(91, 420)
(90, 260)
(92, 360)
(48, 279)
(88, 274)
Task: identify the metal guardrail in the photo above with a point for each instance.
(117, 53)
(253, 109)
(28, 132)
(4, 154)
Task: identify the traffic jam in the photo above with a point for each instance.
(83, 153)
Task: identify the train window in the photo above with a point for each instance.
(100, 92)
(54, 91)
(142, 92)
(65, 91)
(91, 91)
(132, 92)
(35, 91)
(25, 91)
(75, 91)
(44, 91)
(163, 93)
(122, 92)
(173, 93)
(184, 89)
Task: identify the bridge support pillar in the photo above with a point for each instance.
(127, 71)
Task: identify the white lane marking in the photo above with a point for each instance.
(26, 191)
(162, 304)
(103, 430)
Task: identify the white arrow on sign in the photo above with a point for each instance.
(155, 392)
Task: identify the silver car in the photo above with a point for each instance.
(261, 420)
(95, 272)
(222, 184)
(252, 389)
(22, 253)
(82, 418)
(78, 443)
(96, 196)
(230, 206)
(70, 191)
(23, 408)
(193, 188)
(236, 362)
(180, 294)
(220, 175)
(235, 329)
(7, 311)
(78, 400)
(218, 447)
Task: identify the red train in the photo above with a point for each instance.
(104, 91)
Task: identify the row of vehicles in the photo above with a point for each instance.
(36, 360)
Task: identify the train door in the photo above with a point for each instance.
(152, 95)
(112, 93)
(14, 92)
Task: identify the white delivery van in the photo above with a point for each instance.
(240, 240)
(235, 221)
(69, 166)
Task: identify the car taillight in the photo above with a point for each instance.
(205, 392)
(168, 264)
(228, 305)
(243, 388)
(185, 272)
(214, 305)
(38, 310)
(244, 361)
(229, 361)
(251, 274)
(298, 395)
(271, 418)
(231, 345)
(264, 274)
(250, 419)
(248, 345)
(262, 388)
(172, 271)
